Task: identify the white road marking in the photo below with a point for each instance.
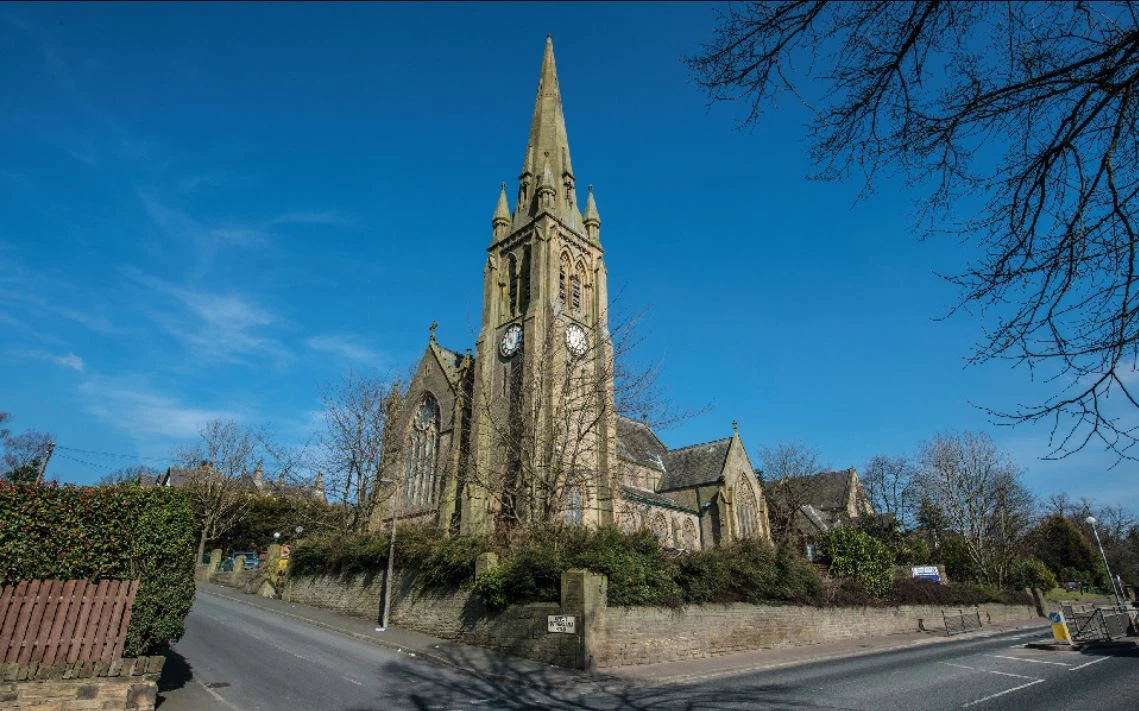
(1001, 693)
(1094, 661)
(1031, 661)
(988, 671)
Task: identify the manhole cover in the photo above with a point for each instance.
(217, 684)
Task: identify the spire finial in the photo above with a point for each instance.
(434, 325)
(735, 428)
(501, 220)
(592, 219)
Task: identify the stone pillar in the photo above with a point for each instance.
(585, 596)
(215, 562)
(486, 561)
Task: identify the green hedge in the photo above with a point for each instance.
(109, 532)
(857, 555)
(639, 572)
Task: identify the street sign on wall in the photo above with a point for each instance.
(926, 572)
(561, 623)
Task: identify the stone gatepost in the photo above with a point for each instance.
(215, 563)
(585, 596)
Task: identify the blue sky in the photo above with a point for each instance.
(216, 210)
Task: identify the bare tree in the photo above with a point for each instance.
(977, 491)
(785, 469)
(552, 424)
(1031, 106)
(212, 475)
(134, 474)
(25, 455)
(355, 416)
(889, 483)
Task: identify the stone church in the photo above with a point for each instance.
(525, 428)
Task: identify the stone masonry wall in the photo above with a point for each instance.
(643, 635)
(618, 636)
(519, 630)
(118, 685)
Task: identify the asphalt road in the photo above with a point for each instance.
(238, 658)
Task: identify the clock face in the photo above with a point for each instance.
(511, 340)
(576, 340)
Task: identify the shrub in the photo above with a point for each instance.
(106, 533)
(1031, 573)
(856, 554)
(490, 588)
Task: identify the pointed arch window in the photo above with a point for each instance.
(575, 505)
(422, 454)
(575, 287)
(746, 509)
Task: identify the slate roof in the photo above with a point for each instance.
(696, 465)
(637, 443)
(827, 491)
(635, 494)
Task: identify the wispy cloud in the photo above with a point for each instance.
(347, 347)
(134, 408)
(215, 324)
(70, 360)
(331, 218)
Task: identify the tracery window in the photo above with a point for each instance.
(422, 454)
(661, 529)
(746, 509)
(690, 535)
(575, 505)
(575, 292)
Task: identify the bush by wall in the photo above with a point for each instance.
(108, 532)
(858, 555)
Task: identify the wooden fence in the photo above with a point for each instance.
(56, 621)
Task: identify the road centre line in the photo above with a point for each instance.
(1094, 661)
(1031, 661)
(1001, 693)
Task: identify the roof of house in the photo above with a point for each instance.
(450, 360)
(827, 490)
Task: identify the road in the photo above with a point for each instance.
(238, 658)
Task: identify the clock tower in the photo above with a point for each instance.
(543, 426)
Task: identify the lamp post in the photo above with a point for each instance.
(1114, 591)
(391, 554)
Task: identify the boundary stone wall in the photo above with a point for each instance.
(617, 636)
(118, 685)
(647, 635)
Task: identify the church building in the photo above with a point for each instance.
(524, 428)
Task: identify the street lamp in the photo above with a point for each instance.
(1114, 591)
(391, 554)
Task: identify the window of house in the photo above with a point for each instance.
(422, 455)
(513, 266)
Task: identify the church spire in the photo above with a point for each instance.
(548, 145)
(592, 218)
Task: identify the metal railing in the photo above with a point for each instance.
(961, 621)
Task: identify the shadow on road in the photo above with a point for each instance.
(503, 686)
(176, 673)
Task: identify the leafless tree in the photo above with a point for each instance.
(134, 474)
(785, 469)
(1030, 109)
(889, 483)
(211, 472)
(25, 455)
(352, 444)
(552, 422)
(977, 490)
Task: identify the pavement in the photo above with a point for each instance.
(496, 666)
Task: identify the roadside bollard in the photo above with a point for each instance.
(1060, 631)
